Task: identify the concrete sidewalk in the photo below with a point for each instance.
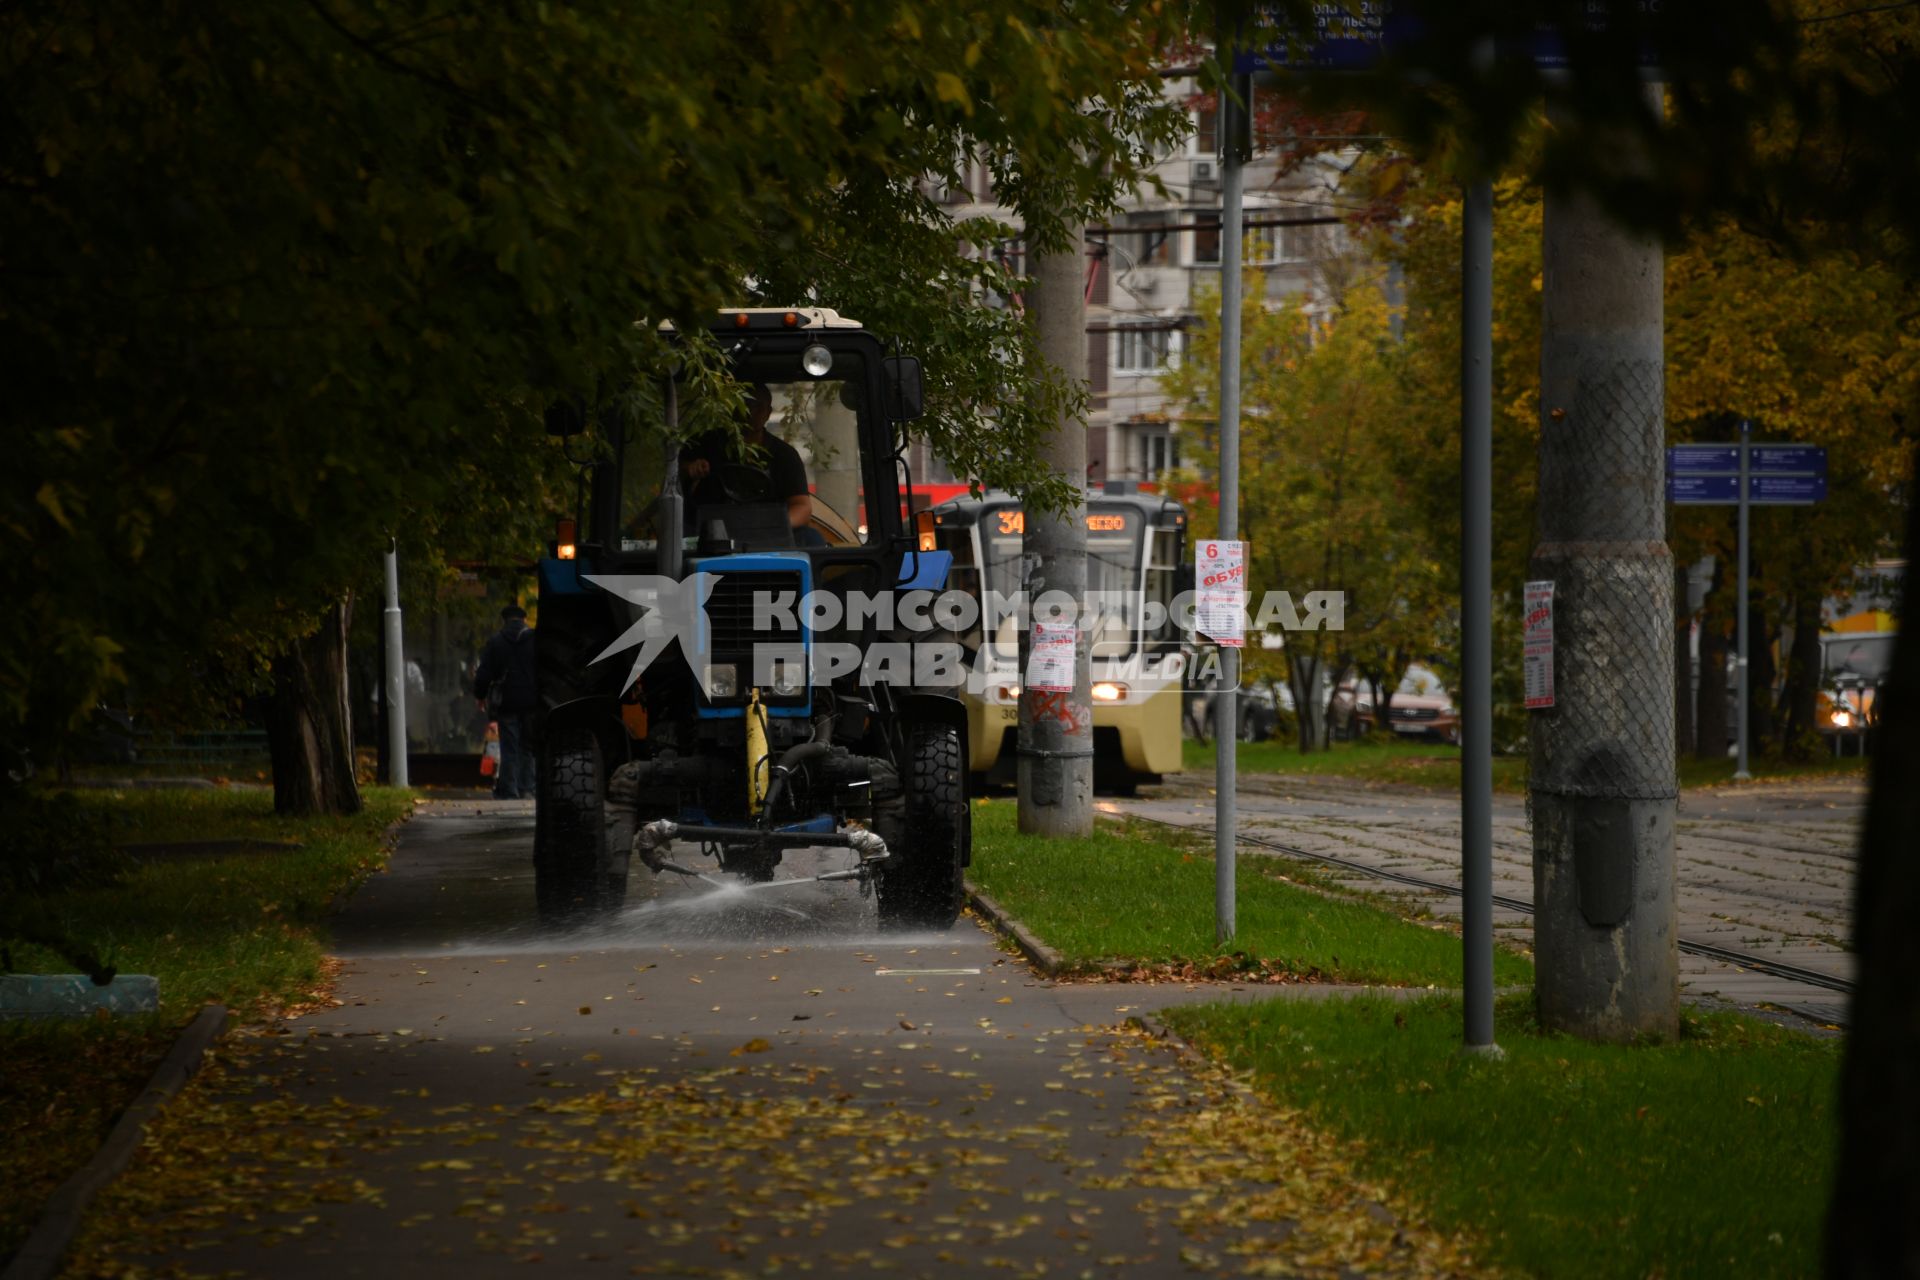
(722, 1084)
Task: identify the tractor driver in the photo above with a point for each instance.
(706, 455)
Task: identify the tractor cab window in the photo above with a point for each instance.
(789, 472)
(643, 469)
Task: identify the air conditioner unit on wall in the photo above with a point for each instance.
(1202, 172)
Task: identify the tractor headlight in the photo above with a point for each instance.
(722, 680)
(1108, 691)
(817, 361)
(789, 678)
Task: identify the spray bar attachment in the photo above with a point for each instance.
(653, 840)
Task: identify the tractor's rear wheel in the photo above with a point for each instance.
(580, 848)
(927, 835)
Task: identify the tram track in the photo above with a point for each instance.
(1705, 950)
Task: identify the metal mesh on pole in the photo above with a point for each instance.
(1613, 592)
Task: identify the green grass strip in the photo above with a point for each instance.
(248, 930)
(244, 929)
(1710, 1155)
(1437, 765)
(1146, 895)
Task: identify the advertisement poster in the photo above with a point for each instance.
(1220, 589)
(1050, 661)
(1539, 645)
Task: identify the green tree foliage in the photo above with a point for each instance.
(1823, 351)
(1820, 351)
(279, 281)
(1326, 481)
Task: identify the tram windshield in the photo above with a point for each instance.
(1117, 537)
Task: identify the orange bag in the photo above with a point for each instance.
(490, 753)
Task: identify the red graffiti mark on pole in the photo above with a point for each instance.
(1058, 707)
(1052, 705)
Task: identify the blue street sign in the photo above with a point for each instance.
(1549, 50)
(1788, 459)
(1685, 490)
(1786, 489)
(1703, 459)
(1695, 489)
(1343, 40)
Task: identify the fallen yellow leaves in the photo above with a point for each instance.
(1106, 1151)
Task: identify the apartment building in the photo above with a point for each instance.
(1147, 267)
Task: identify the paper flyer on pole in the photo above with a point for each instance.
(1538, 652)
(1050, 661)
(1220, 582)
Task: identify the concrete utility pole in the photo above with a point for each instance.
(396, 691)
(1055, 741)
(1603, 785)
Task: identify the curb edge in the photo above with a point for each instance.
(1043, 957)
(40, 1255)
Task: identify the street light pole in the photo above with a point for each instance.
(1740, 773)
(1476, 621)
(1226, 721)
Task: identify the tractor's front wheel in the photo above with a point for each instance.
(580, 849)
(921, 885)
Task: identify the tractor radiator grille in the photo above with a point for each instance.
(730, 612)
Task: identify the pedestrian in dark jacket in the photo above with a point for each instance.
(505, 684)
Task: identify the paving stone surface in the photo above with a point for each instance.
(1761, 868)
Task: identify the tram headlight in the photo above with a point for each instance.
(1109, 691)
(1006, 693)
(722, 680)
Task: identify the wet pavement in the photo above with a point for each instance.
(721, 1082)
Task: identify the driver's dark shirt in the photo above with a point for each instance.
(783, 465)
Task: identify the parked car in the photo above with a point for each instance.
(1420, 707)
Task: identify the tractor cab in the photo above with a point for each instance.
(721, 664)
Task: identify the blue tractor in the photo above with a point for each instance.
(723, 662)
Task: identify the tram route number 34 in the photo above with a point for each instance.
(1015, 522)
(1220, 581)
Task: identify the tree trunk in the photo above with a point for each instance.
(1382, 705)
(1800, 700)
(1876, 1193)
(383, 769)
(309, 725)
(1682, 665)
(1326, 708)
(1303, 674)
